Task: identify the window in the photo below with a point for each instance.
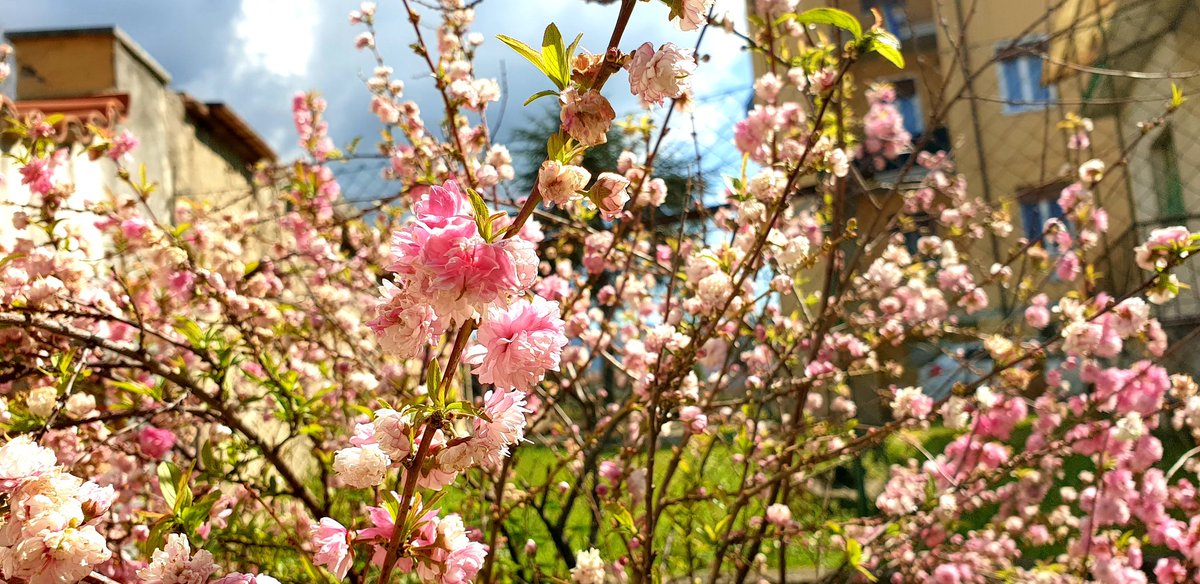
(1165, 165)
(1034, 215)
(1020, 71)
(922, 225)
(908, 102)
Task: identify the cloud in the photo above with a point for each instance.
(276, 36)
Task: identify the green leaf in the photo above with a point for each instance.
(157, 535)
(624, 520)
(571, 54)
(554, 55)
(478, 205)
(168, 478)
(209, 457)
(183, 500)
(433, 380)
(888, 47)
(866, 573)
(831, 16)
(539, 95)
(479, 209)
(555, 145)
(527, 52)
(138, 388)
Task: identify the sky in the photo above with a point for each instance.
(255, 54)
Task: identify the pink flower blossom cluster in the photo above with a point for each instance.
(658, 75)
(884, 136)
(445, 271)
(49, 533)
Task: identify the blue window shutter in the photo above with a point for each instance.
(1056, 210)
(1031, 220)
(911, 110)
(1010, 70)
(1040, 93)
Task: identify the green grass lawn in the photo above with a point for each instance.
(685, 534)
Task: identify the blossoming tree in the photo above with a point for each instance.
(457, 385)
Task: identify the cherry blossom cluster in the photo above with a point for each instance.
(884, 136)
(439, 549)
(50, 531)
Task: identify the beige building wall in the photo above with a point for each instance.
(190, 149)
(1174, 144)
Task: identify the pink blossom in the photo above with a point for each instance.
(134, 228)
(361, 467)
(1070, 196)
(38, 174)
(691, 14)
(240, 578)
(518, 344)
(505, 425)
(779, 515)
(122, 144)
(589, 567)
(404, 322)
(946, 574)
(20, 459)
(364, 40)
(1092, 171)
(175, 564)
(438, 206)
(553, 288)
(883, 127)
(463, 563)
(448, 266)
(662, 74)
(1037, 315)
(393, 432)
(610, 193)
(383, 526)
(911, 402)
(156, 442)
(693, 419)
(66, 555)
(332, 541)
(1068, 267)
(560, 183)
(1162, 245)
(586, 117)
(767, 87)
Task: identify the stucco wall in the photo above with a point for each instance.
(88, 178)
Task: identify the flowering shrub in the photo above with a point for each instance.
(457, 385)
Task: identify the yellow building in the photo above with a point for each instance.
(998, 77)
(1128, 53)
(993, 79)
